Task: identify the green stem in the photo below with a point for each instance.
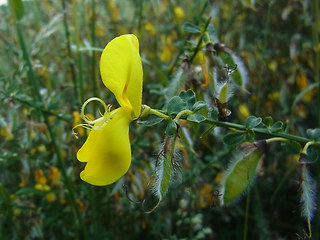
(159, 114)
(187, 39)
(71, 64)
(200, 40)
(245, 230)
(93, 43)
(182, 113)
(258, 130)
(31, 75)
(305, 148)
(79, 53)
(316, 32)
(276, 139)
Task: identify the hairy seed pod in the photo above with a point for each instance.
(239, 175)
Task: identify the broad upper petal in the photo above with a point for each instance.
(121, 71)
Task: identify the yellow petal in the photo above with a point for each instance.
(107, 150)
(121, 71)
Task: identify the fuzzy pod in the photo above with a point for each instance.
(165, 168)
(223, 95)
(308, 188)
(239, 175)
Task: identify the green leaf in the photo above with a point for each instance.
(176, 104)
(268, 121)
(313, 153)
(250, 135)
(151, 120)
(171, 128)
(17, 8)
(189, 97)
(197, 118)
(208, 131)
(198, 106)
(27, 191)
(233, 139)
(191, 28)
(213, 114)
(314, 134)
(240, 175)
(253, 122)
(276, 127)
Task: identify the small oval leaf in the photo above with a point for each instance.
(189, 97)
(198, 106)
(176, 104)
(171, 128)
(197, 118)
(276, 127)
(253, 122)
(314, 134)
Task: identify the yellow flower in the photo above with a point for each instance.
(178, 12)
(54, 176)
(107, 150)
(51, 197)
(40, 177)
(150, 28)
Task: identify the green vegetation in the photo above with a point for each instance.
(228, 142)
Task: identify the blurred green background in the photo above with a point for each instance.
(41, 194)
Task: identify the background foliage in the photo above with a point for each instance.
(41, 195)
